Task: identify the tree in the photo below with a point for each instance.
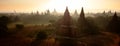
(19, 26)
(40, 36)
(4, 20)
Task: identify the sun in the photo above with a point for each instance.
(60, 5)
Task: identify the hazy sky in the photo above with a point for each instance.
(59, 5)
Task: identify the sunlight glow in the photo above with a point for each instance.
(89, 5)
(60, 5)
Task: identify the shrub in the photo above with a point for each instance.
(19, 26)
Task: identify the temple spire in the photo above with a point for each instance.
(82, 15)
(65, 30)
(66, 13)
(114, 24)
(115, 15)
(75, 13)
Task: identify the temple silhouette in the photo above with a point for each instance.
(69, 33)
(66, 30)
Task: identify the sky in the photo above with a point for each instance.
(59, 5)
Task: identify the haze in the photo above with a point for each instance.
(59, 5)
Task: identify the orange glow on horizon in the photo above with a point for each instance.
(59, 5)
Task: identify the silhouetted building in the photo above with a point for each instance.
(104, 12)
(109, 12)
(37, 12)
(47, 12)
(84, 27)
(54, 12)
(65, 31)
(75, 13)
(114, 24)
(32, 13)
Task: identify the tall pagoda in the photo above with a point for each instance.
(114, 25)
(65, 31)
(84, 27)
